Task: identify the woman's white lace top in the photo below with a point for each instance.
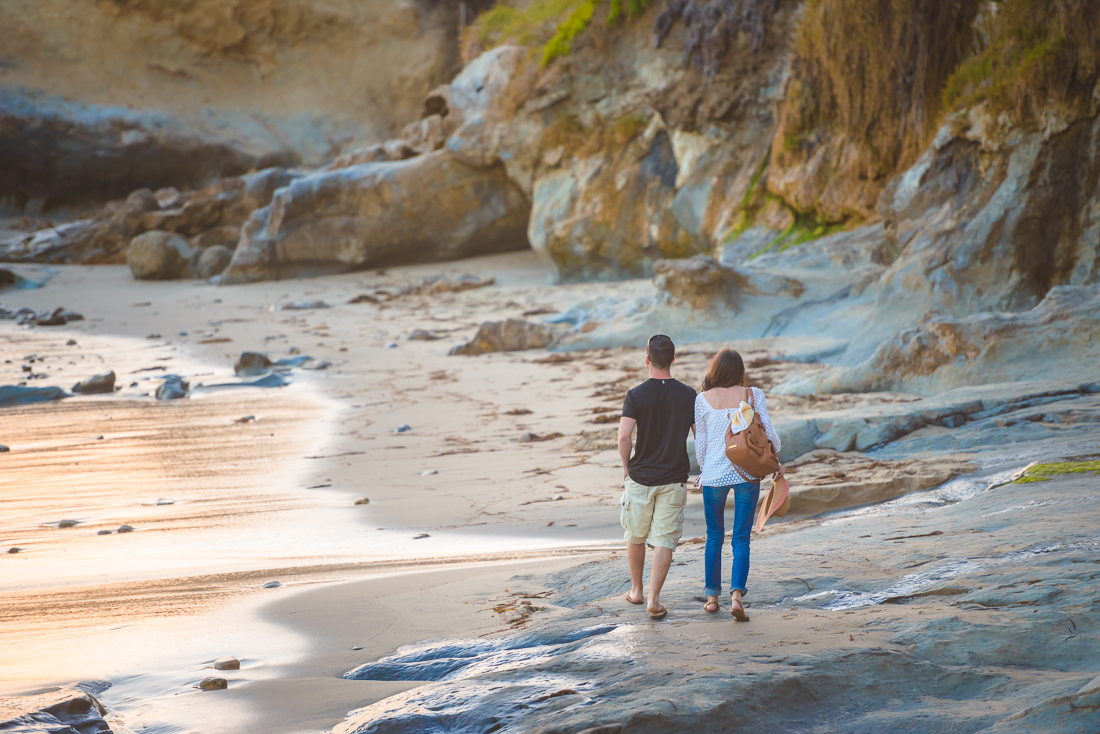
(710, 440)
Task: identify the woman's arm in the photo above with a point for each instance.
(700, 431)
(762, 409)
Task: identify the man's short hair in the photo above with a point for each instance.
(661, 351)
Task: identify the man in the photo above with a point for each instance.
(663, 409)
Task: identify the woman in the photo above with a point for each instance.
(723, 391)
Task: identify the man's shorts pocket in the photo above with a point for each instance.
(624, 509)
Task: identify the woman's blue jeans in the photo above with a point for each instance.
(745, 497)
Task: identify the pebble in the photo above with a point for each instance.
(71, 343)
(153, 336)
(125, 529)
(403, 428)
(273, 584)
(213, 684)
(4, 449)
(164, 501)
(14, 550)
(422, 535)
(245, 419)
(227, 663)
(362, 501)
(357, 647)
(294, 350)
(391, 345)
(428, 472)
(68, 523)
(105, 532)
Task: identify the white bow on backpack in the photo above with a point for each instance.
(741, 418)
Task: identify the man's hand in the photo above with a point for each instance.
(626, 427)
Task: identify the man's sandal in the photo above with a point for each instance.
(659, 614)
(640, 601)
(738, 611)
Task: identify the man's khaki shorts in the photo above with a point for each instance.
(655, 514)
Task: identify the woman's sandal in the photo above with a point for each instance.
(711, 603)
(640, 601)
(738, 611)
(658, 614)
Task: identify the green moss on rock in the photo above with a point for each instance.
(1043, 472)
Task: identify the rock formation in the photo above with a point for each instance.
(429, 208)
(1058, 339)
(207, 86)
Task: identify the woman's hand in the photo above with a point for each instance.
(696, 485)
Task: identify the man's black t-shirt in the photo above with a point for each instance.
(665, 410)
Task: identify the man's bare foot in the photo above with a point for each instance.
(711, 605)
(639, 599)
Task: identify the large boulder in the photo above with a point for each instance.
(424, 209)
(159, 256)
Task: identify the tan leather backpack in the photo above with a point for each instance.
(751, 451)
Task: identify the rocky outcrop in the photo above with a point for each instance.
(191, 106)
(62, 153)
(513, 335)
(65, 710)
(703, 282)
(985, 224)
(429, 208)
(96, 385)
(208, 216)
(1058, 339)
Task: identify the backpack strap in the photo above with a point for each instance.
(748, 391)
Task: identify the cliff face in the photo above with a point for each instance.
(100, 97)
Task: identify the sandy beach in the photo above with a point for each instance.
(474, 527)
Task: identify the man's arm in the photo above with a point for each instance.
(626, 427)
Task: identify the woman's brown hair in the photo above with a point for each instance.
(727, 369)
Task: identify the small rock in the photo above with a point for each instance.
(250, 364)
(403, 428)
(105, 532)
(173, 388)
(163, 501)
(245, 419)
(316, 364)
(154, 335)
(14, 549)
(422, 335)
(71, 343)
(391, 345)
(364, 298)
(213, 684)
(304, 305)
(96, 385)
(4, 449)
(362, 501)
(272, 584)
(293, 350)
(227, 663)
(422, 535)
(357, 647)
(68, 523)
(428, 472)
(124, 529)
